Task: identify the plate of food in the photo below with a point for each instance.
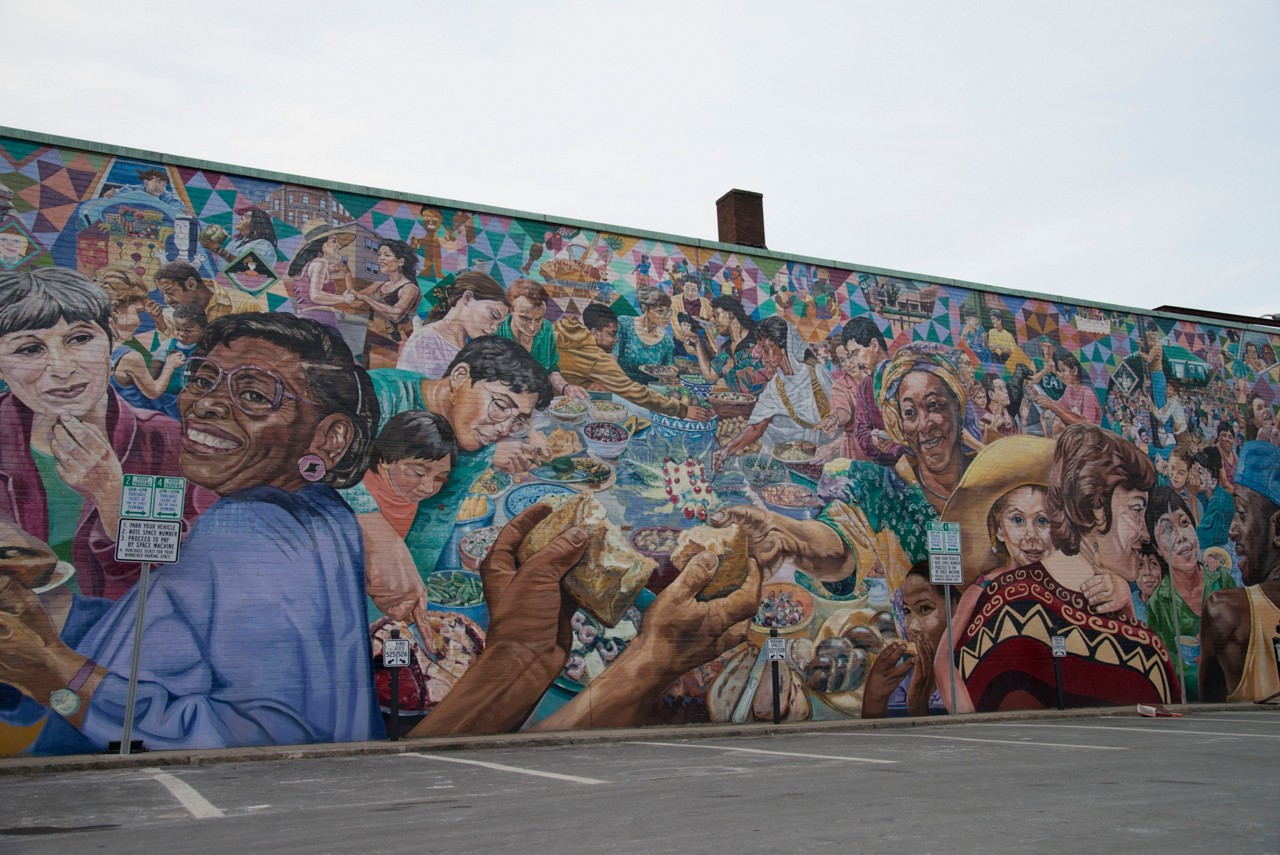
(785, 607)
(568, 411)
(792, 500)
(795, 451)
(598, 473)
(562, 442)
(527, 495)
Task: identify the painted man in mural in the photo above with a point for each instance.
(1239, 627)
(182, 285)
(276, 415)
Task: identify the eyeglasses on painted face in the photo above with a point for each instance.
(502, 411)
(254, 391)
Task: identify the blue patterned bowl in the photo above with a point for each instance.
(696, 437)
(527, 495)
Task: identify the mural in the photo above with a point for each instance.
(586, 474)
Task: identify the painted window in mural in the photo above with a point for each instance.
(586, 474)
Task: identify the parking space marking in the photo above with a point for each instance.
(1148, 730)
(575, 779)
(994, 741)
(762, 751)
(196, 804)
(1227, 720)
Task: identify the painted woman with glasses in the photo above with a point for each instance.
(646, 340)
(258, 634)
(488, 393)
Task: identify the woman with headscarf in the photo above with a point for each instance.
(796, 398)
(1095, 508)
(875, 519)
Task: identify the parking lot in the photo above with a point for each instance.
(1110, 783)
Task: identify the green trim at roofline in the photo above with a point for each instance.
(250, 172)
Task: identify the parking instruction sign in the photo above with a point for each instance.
(777, 649)
(148, 541)
(945, 566)
(152, 497)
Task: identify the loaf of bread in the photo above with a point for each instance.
(26, 558)
(728, 544)
(610, 574)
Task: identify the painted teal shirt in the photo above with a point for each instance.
(543, 347)
(399, 392)
(632, 352)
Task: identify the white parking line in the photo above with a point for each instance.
(994, 741)
(1227, 720)
(196, 804)
(501, 768)
(1146, 730)
(762, 751)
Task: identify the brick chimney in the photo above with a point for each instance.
(740, 217)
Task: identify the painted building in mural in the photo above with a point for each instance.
(586, 472)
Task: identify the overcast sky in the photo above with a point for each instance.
(1119, 151)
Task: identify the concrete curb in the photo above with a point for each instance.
(84, 762)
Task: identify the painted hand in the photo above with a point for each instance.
(88, 464)
(1107, 592)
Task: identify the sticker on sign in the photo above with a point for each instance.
(148, 541)
(395, 653)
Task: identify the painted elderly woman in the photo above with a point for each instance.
(875, 518)
(258, 634)
(1094, 508)
(66, 437)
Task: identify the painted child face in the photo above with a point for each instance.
(415, 478)
(1023, 526)
(924, 610)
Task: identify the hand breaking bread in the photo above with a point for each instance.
(728, 544)
(26, 558)
(611, 573)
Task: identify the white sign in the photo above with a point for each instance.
(158, 497)
(1059, 645)
(945, 569)
(776, 649)
(395, 653)
(148, 541)
(944, 537)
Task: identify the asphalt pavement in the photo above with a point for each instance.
(1113, 782)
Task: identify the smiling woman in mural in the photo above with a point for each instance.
(254, 232)
(1095, 506)
(65, 435)
(392, 303)
(275, 416)
(474, 305)
(1260, 420)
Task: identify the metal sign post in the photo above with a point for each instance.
(777, 652)
(150, 532)
(395, 655)
(1059, 653)
(946, 568)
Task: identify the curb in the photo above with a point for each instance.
(85, 762)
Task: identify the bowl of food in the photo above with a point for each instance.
(475, 545)
(658, 542)
(795, 451)
(785, 607)
(605, 439)
(608, 411)
(697, 385)
(568, 411)
(696, 438)
(459, 591)
(791, 500)
(665, 373)
(475, 512)
(731, 405)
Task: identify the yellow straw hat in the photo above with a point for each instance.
(1004, 465)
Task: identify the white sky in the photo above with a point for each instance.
(1119, 151)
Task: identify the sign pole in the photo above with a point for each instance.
(773, 665)
(395, 697)
(951, 646)
(132, 697)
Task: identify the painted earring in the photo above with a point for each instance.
(311, 467)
